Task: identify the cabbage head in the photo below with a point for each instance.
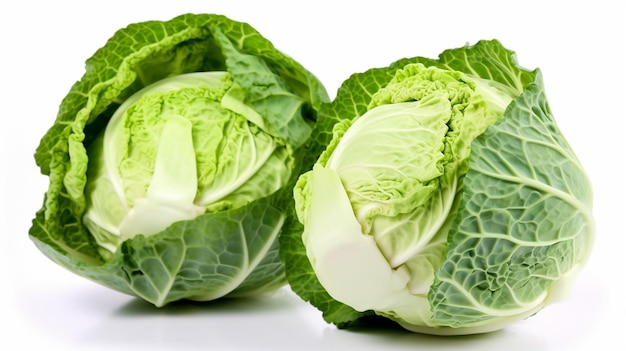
(446, 198)
(172, 161)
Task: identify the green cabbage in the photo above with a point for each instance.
(172, 161)
(446, 199)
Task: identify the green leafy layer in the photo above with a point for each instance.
(524, 225)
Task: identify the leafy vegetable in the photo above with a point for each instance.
(446, 198)
(172, 161)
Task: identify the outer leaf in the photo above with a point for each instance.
(524, 223)
(268, 94)
(488, 60)
(192, 259)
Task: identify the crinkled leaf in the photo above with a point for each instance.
(524, 221)
(232, 252)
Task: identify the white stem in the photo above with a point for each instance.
(173, 186)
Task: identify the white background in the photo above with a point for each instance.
(579, 46)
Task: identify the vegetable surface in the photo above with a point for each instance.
(172, 161)
(446, 198)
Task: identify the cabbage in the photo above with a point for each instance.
(446, 198)
(172, 161)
